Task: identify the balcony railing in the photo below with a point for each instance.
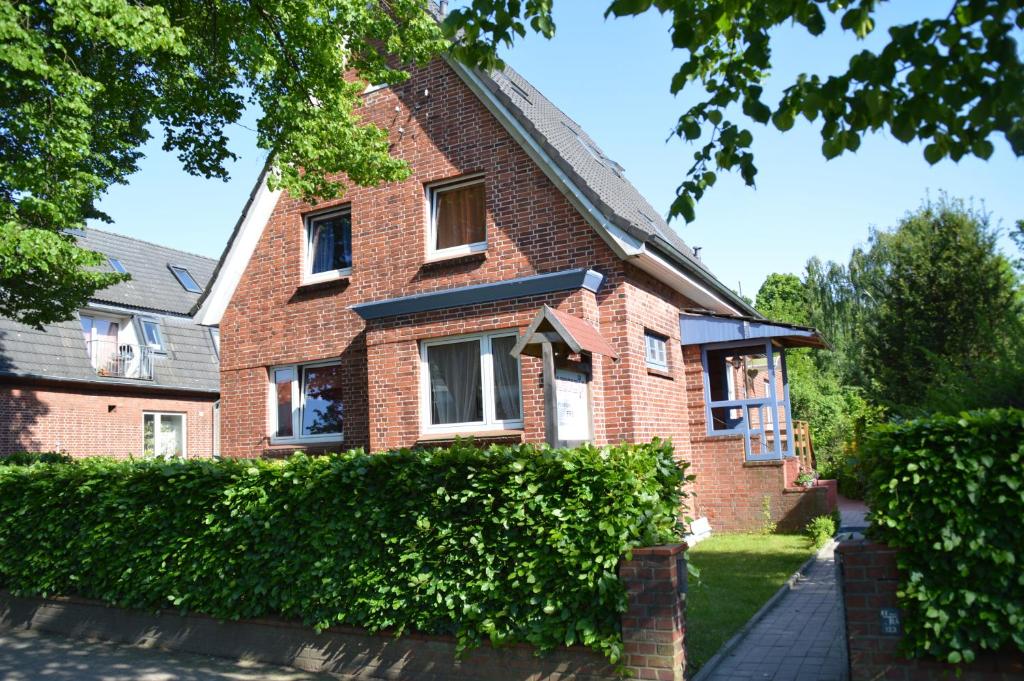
(120, 360)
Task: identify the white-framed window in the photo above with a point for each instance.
(470, 383)
(164, 435)
(151, 335)
(306, 403)
(458, 218)
(328, 245)
(656, 347)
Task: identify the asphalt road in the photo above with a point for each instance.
(32, 656)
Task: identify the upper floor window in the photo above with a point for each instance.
(215, 337)
(328, 245)
(471, 383)
(306, 402)
(152, 336)
(185, 279)
(656, 348)
(458, 218)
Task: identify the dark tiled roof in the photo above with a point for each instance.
(594, 173)
(153, 286)
(58, 351)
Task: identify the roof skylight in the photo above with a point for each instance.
(117, 265)
(185, 279)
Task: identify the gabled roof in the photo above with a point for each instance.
(595, 184)
(153, 286)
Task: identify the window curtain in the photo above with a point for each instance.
(332, 244)
(461, 216)
(455, 388)
(506, 378)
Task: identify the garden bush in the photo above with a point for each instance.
(948, 491)
(820, 530)
(507, 544)
(29, 458)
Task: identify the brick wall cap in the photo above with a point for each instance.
(662, 550)
(767, 462)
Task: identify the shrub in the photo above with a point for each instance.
(509, 544)
(820, 530)
(948, 491)
(29, 458)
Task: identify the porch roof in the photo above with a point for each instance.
(577, 334)
(698, 327)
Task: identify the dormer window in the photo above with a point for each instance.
(458, 218)
(328, 246)
(185, 279)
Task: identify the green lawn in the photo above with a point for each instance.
(738, 573)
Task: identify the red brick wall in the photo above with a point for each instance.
(532, 228)
(869, 579)
(86, 421)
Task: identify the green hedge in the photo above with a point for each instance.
(29, 458)
(949, 492)
(507, 543)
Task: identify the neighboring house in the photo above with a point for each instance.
(131, 375)
(411, 313)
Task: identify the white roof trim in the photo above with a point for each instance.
(668, 273)
(253, 222)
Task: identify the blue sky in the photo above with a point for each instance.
(612, 77)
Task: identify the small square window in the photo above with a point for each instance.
(329, 245)
(185, 279)
(458, 218)
(151, 334)
(163, 435)
(656, 350)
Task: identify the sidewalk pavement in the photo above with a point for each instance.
(802, 638)
(26, 655)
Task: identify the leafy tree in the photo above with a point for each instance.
(953, 81)
(942, 303)
(81, 80)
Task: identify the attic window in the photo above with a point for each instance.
(594, 152)
(117, 265)
(185, 279)
(518, 90)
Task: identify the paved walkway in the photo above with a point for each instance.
(28, 655)
(800, 639)
(852, 514)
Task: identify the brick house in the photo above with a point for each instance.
(131, 375)
(515, 288)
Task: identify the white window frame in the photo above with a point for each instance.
(298, 405)
(308, 277)
(433, 191)
(654, 362)
(490, 422)
(177, 271)
(156, 431)
(159, 347)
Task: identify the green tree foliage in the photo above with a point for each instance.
(506, 544)
(952, 81)
(942, 311)
(80, 80)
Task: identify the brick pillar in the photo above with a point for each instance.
(869, 579)
(654, 625)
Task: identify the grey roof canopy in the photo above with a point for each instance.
(698, 327)
(58, 352)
